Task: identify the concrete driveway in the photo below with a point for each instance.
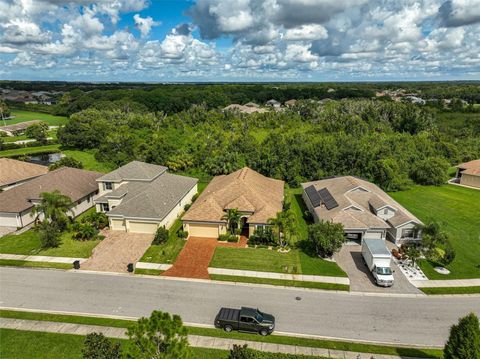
(117, 250)
(361, 280)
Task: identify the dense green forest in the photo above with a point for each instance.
(392, 144)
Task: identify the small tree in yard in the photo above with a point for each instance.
(464, 340)
(54, 207)
(160, 336)
(38, 132)
(430, 171)
(326, 237)
(413, 252)
(233, 219)
(49, 234)
(161, 235)
(241, 352)
(66, 162)
(97, 346)
(85, 232)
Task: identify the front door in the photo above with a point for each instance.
(244, 226)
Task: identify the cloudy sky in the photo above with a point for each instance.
(239, 40)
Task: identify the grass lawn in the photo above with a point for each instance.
(315, 343)
(27, 345)
(265, 260)
(451, 290)
(22, 116)
(148, 271)
(51, 133)
(168, 251)
(29, 150)
(281, 282)
(457, 209)
(29, 243)
(17, 263)
(88, 160)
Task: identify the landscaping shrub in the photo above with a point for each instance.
(187, 206)
(228, 237)
(97, 346)
(161, 236)
(182, 234)
(85, 232)
(66, 162)
(97, 219)
(49, 234)
(262, 236)
(326, 238)
(464, 340)
(449, 254)
(243, 352)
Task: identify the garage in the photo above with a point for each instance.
(142, 227)
(203, 230)
(374, 235)
(117, 224)
(8, 220)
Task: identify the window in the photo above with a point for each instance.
(407, 233)
(385, 211)
(246, 319)
(107, 185)
(105, 207)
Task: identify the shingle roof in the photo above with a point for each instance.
(72, 182)
(19, 126)
(350, 191)
(135, 170)
(12, 171)
(475, 164)
(245, 188)
(154, 199)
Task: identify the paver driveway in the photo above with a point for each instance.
(361, 280)
(193, 260)
(117, 250)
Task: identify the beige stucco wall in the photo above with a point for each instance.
(470, 180)
(396, 233)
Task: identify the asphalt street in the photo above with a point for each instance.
(403, 320)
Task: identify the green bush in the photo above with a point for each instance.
(430, 171)
(49, 234)
(187, 207)
(85, 232)
(97, 219)
(228, 237)
(449, 254)
(161, 236)
(262, 236)
(182, 234)
(66, 162)
(464, 340)
(97, 346)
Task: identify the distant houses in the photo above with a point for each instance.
(17, 128)
(248, 108)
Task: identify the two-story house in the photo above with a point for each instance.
(140, 197)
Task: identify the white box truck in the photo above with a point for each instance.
(378, 258)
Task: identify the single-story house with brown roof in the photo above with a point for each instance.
(468, 173)
(18, 128)
(17, 203)
(14, 172)
(140, 197)
(256, 197)
(364, 210)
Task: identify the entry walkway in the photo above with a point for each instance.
(194, 340)
(193, 260)
(117, 250)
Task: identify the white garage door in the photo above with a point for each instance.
(8, 220)
(203, 230)
(142, 227)
(373, 235)
(117, 224)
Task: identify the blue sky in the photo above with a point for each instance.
(240, 40)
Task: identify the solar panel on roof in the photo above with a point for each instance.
(313, 196)
(327, 198)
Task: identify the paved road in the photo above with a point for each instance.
(405, 320)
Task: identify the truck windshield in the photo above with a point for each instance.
(383, 271)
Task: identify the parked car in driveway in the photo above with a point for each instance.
(245, 320)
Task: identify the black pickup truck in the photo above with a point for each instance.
(245, 320)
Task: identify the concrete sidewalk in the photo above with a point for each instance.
(284, 276)
(157, 266)
(194, 340)
(446, 283)
(21, 257)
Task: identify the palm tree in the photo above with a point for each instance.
(54, 206)
(284, 225)
(278, 224)
(233, 218)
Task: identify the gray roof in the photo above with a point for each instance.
(153, 200)
(135, 171)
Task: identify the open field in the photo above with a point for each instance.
(88, 160)
(22, 116)
(457, 209)
(29, 243)
(279, 339)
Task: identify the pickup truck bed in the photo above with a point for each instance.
(229, 315)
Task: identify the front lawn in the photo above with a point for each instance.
(168, 251)
(88, 160)
(28, 243)
(458, 210)
(265, 260)
(23, 116)
(451, 290)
